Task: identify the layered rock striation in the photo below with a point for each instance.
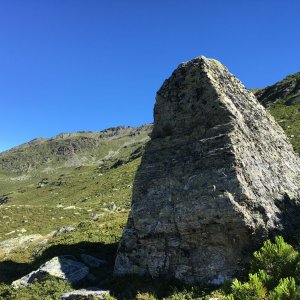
(217, 178)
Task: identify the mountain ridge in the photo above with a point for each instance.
(77, 145)
(288, 87)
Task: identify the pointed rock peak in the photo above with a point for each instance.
(208, 62)
(218, 177)
(201, 93)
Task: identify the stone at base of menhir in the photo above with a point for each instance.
(90, 293)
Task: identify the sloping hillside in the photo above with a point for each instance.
(73, 150)
(67, 179)
(288, 89)
(283, 101)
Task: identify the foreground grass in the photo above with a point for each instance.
(100, 239)
(274, 271)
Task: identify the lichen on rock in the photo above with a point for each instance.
(217, 178)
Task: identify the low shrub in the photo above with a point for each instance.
(276, 274)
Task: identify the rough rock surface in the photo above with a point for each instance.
(218, 177)
(9, 245)
(90, 293)
(92, 261)
(61, 267)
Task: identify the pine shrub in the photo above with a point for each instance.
(286, 290)
(251, 290)
(278, 260)
(276, 274)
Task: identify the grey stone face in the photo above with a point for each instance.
(217, 178)
(63, 267)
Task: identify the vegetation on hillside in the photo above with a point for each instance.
(72, 150)
(289, 87)
(65, 189)
(288, 116)
(274, 271)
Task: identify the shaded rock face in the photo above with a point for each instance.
(217, 178)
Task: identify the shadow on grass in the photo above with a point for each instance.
(126, 287)
(11, 270)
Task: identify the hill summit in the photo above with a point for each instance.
(217, 178)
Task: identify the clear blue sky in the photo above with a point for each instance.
(69, 65)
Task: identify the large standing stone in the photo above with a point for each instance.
(217, 178)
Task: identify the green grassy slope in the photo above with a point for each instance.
(69, 198)
(39, 186)
(288, 116)
(282, 100)
(288, 88)
(43, 156)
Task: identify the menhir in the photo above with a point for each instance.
(217, 178)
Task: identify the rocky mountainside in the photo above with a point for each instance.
(287, 90)
(282, 100)
(217, 178)
(74, 149)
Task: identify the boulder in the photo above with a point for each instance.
(92, 261)
(218, 177)
(61, 267)
(65, 229)
(89, 293)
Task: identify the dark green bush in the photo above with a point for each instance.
(276, 274)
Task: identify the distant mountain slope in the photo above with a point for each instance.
(74, 149)
(288, 89)
(68, 178)
(283, 101)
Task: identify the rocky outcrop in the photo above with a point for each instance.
(287, 89)
(19, 242)
(217, 178)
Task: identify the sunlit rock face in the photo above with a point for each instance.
(217, 178)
